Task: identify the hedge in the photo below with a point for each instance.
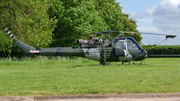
(162, 50)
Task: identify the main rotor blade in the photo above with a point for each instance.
(142, 33)
(69, 37)
(109, 31)
(167, 35)
(77, 36)
(98, 32)
(80, 35)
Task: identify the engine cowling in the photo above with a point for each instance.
(91, 43)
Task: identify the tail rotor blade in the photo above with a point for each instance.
(9, 33)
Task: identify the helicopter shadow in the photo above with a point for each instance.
(134, 63)
(142, 63)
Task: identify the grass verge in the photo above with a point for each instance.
(83, 76)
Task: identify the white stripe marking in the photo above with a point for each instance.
(34, 51)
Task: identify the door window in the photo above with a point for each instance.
(132, 45)
(120, 44)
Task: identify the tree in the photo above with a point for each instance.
(28, 20)
(115, 19)
(110, 11)
(75, 17)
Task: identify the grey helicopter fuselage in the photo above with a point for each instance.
(120, 49)
(124, 49)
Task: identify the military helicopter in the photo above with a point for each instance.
(124, 49)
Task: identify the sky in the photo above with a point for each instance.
(155, 16)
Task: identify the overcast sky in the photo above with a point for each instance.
(157, 16)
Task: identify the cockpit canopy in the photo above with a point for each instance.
(126, 43)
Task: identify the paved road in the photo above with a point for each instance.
(117, 97)
(124, 99)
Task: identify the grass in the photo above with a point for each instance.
(82, 76)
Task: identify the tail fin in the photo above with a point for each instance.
(25, 48)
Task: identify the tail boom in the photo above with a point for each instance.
(58, 51)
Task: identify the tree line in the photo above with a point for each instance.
(39, 22)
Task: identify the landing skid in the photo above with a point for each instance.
(129, 63)
(142, 62)
(109, 64)
(106, 64)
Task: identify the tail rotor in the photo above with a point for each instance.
(9, 33)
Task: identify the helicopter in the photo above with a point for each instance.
(119, 49)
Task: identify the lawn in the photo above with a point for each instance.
(82, 76)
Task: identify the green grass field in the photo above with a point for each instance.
(81, 76)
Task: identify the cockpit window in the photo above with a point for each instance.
(132, 45)
(121, 45)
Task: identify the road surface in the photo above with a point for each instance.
(113, 97)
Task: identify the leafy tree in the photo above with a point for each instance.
(37, 22)
(111, 12)
(75, 17)
(28, 20)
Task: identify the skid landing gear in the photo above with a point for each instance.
(142, 62)
(106, 64)
(129, 63)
